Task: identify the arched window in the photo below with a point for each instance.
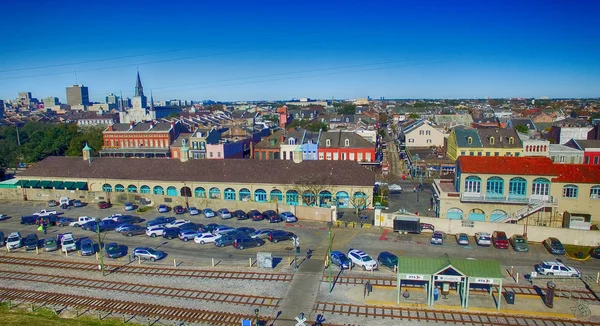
(199, 192)
(570, 191)
(291, 197)
(106, 187)
(517, 187)
(359, 199)
(595, 192)
(498, 215)
(347, 142)
(291, 141)
(245, 194)
(119, 188)
(276, 196)
(131, 188)
(260, 195)
(328, 142)
(144, 189)
(473, 184)
(454, 214)
(342, 199)
(495, 187)
(158, 190)
(511, 140)
(540, 187)
(214, 193)
(308, 198)
(229, 194)
(185, 192)
(325, 199)
(171, 191)
(492, 140)
(470, 140)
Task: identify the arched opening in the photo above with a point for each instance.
(494, 188)
(107, 188)
(570, 191)
(517, 189)
(245, 194)
(185, 192)
(309, 198)
(171, 191)
(476, 214)
(144, 189)
(359, 200)
(276, 196)
(595, 192)
(342, 199)
(158, 190)
(199, 192)
(260, 195)
(325, 198)
(214, 193)
(131, 188)
(119, 188)
(229, 194)
(540, 189)
(291, 197)
(454, 214)
(473, 185)
(498, 215)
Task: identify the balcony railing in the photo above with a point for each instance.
(493, 198)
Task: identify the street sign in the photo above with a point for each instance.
(448, 278)
(296, 242)
(300, 321)
(483, 281)
(415, 277)
(246, 322)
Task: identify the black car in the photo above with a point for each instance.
(178, 209)
(211, 227)
(191, 226)
(595, 252)
(269, 215)
(246, 231)
(387, 259)
(161, 220)
(242, 243)
(240, 215)
(30, 219)
(280, 235)
(255, 215)
(554, 246)
(134, 230)
(170, 233)
(113, 250)
(31, 242)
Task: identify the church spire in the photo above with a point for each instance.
(151, 101)
(139, 90)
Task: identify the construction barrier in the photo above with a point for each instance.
(366, 225)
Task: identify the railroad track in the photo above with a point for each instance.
(443, 316)
(518, 289)
(152, 290)
(147, 271)
(127, 308)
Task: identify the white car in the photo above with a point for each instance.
(14, 240)
(113, 217)
(203, 238)
(557, 269)
(394, 188)
(67, 243)
(176, 223)
(155, 231)
(483, 239)
(81, 221)
(360, 258)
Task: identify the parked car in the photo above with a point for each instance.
(193, 211)
(462, 239)
(82, 220)
(203, 238)
(52, 203)
(280, 235)
(50, 244)
(239, 214)
(360, 258)
(78, 203)
(243, 243)
(162, 208)
(132, 230)
(595, 252)
(288, 217)
(161, 220)
(103, 205)
(262, 233)
(30, 242)
(208, 213)
(114, 251)
(179, 209)
(62, 221)
(3, 217)
(170, 233)
(129, 207)
(246, 231)
(395, 189)
(255, 215)
(13, 241)
(227, 239)
(224, 213)
(191, 226)
(154, 231)
(67, 242)
(210, 227)
(29, 219)
(341, 260)
(437, 238)
(176, 223)
(87, 247)
(388, 260)
(500, 240)
(554, 246)
(222, 229)
(271, 216)
(519, 243)
(187, 234)
(125, 226)
(148, 253)
(557, 269)
(483, 239)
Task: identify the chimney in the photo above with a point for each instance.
(131, 124)
(172, 124)
(110, 128)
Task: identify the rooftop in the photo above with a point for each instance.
(577, 173)
(506, 165)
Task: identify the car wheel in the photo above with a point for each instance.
(365, 268)
(185, 239)
(241, 247)
(170, 238)
(275, 240)
(258, 244)
(76, 225)
(60, 225)
(152, 259)
(153, 235)
(201, 242)
(129, 234)
(550, 274)
(221, 245)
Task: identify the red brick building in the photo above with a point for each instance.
(345, 146)
(141, 139)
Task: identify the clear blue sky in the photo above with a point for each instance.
(252, 50)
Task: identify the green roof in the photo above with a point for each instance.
(44, 184)
(10, 183)
(471, 268)
(55, 184)
(31, 183)
(87, 148)
(80, 185)
(462, 138)
(67, 185)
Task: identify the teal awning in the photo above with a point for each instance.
(31, 183)
(44, 184)
(67, 185)
(55, 184)
(80, 186)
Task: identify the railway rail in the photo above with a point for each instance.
(152, 290)
(586, 295)
(148, 271)
(126, 308)
(444, 316)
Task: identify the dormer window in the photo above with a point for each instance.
(328, 142)
(492, 140)
(291, 141)
(511, 140)
(347, 142)
(470, 140)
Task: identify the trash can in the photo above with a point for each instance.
(510, 297)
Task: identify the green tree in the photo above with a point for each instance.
(174, 115)
(414, 116)
(522, 128)
(91, 136)
(383, 117)
(347, 108)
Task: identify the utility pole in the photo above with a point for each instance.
(329, 225)
(100, 246)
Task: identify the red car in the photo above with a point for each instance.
(255, 215)
(500, 240)
(103, 205)
(179, 209)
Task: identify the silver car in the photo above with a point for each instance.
(262, 233)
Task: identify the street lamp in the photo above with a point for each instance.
(256, 311)
(330, 278)
(100, 245)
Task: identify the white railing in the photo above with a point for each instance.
(532, 207)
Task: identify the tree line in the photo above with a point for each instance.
(35, 141)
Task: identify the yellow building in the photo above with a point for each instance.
(529, 190)
(464, 141)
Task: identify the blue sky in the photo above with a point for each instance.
(253, 50)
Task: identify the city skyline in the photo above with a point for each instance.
(264, 51)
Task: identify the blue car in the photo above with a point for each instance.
(87, 247)
(161, 220)
(193, 211)
(340, 259)
(162, 208)
(207, 212)
(288, 217)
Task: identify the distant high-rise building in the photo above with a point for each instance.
(113, 101)
(25, 95)
(124, 103)
(50, 101)
(78, 95)
(1, 109)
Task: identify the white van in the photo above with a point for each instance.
(64, 200)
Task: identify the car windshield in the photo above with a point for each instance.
(556, 244)
(86, 245)
(68, 242)
(12, 239)
(50, 242)
(501, 237)
(546, 266)
(366, 258)
(483, 237)
(112, 249)
(519, 240)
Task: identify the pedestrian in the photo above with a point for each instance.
(417, 213)
(431, 202)
(436, 293)
(44, 227)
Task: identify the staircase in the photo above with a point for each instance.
(532, 207)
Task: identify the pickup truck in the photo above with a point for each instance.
(44, 212)
(81, 221)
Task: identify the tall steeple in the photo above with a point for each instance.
(151, 101)
(139, 90)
